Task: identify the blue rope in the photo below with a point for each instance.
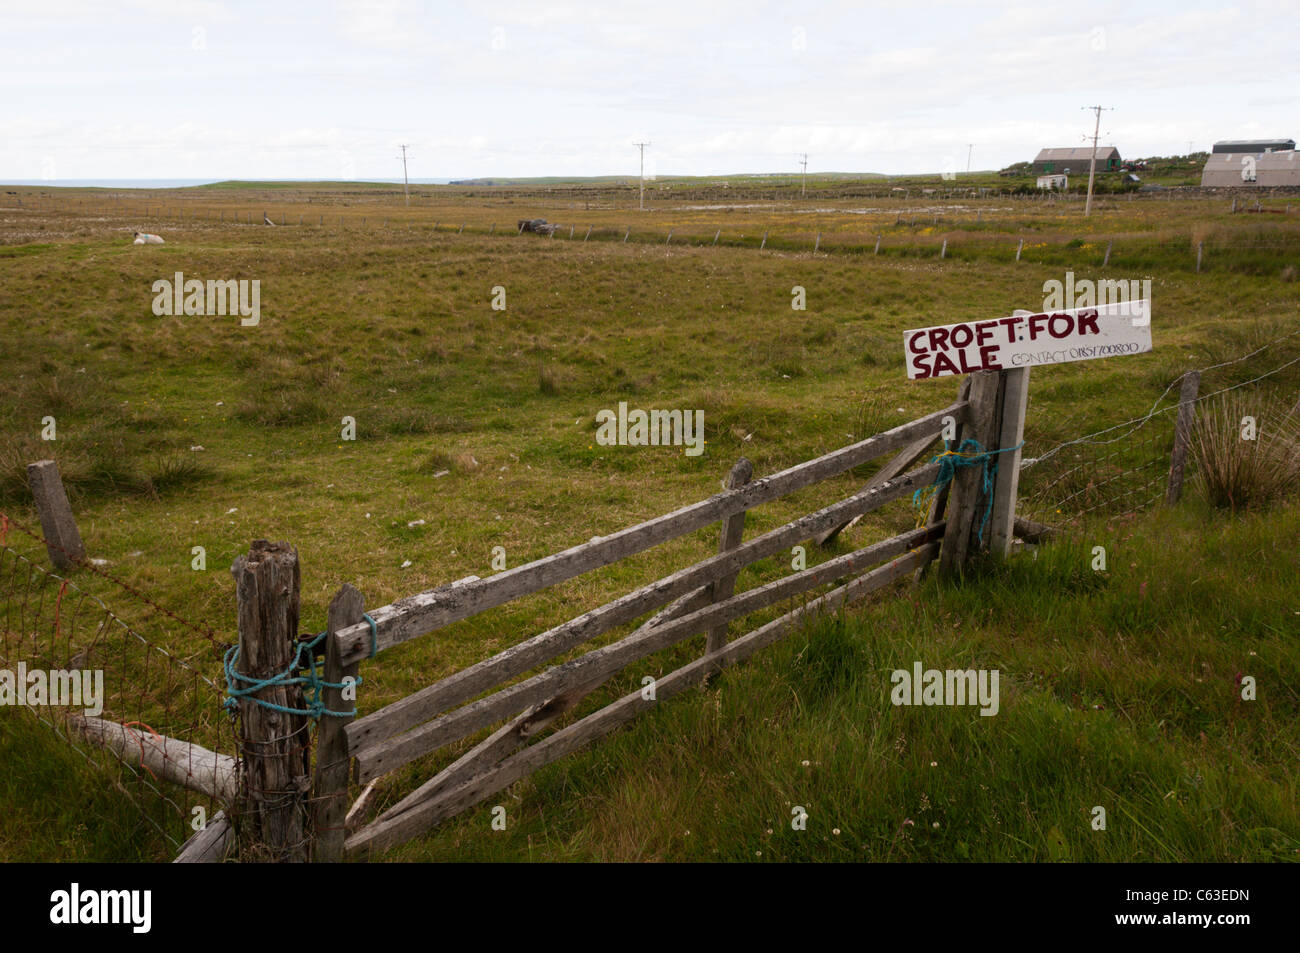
(374, 634)
(968, 454)
(312, 678)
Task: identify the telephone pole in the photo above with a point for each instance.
(641, 146)
(1092, 166)
(803, 185)
(406, 185)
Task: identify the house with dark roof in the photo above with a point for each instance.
(1075, 160)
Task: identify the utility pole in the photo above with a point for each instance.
(970, 148)
(1092, 166)
(803, 186)
(641, 146)
(406, 185)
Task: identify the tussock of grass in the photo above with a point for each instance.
(1243, 463)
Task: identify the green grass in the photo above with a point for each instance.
(1118, 690)
(394, 327)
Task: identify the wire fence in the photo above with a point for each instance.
(113, 695)
(1123, 469)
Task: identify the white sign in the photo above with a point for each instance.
(1027, 340)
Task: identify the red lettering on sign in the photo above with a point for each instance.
(911, 343)
(1033, 326)
(1051, 325)
(942, 362)
(1011, 327)
(988, 357)
(938, 338)
(984, 331)
(961, 329)
(1088, 322)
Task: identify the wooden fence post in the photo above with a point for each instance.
(62, 539)
(943, 252)
(1020, 248)
(273, 744)
(1182, 434)
(1109, 245)
(330, 783)
(1199, 248)
(878, 238)
(818, 243)
(716, 236)
(764, 244)
(1013, 396)
(733, 528)
(967, 504)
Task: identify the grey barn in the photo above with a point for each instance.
(1252, 170)
(1075, 160)
(1252, 146)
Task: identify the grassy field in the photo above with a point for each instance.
(175, 432)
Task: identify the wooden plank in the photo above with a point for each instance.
(733, 529)
(180, 762)
(487, 753)
(390, 829)
(1182, 434)
(209, 845)
(391, 753)
(330, 783)
(899, 464)
(1032, 532)
(422, 613)
(1014, 394)
(62, 538)
(967, 482)
(465, 684)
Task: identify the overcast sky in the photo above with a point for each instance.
(328, 89)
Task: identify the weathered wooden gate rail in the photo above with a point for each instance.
(423, 613)
(698, 599)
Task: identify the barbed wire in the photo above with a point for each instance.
(7, 522)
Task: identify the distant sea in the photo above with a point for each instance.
(176, 183)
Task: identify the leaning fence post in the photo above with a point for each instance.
(1182, 434)
(764, 244)
(1020, 248)
(1013, 398)
(943, 252)
(1109, 245)
(733, 528)
(878, 238)
(1199, 247)
(967, 506)
(818, 244)
(330, 783)
(62, 539)
(273, 742)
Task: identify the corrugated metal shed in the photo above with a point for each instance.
(1076, 159)
(1270, 169)
(1253, 146)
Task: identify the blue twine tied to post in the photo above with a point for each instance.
(312, 678)
(968, 454)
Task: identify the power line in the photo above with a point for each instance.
(641, 146)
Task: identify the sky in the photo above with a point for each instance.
(330, 89)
